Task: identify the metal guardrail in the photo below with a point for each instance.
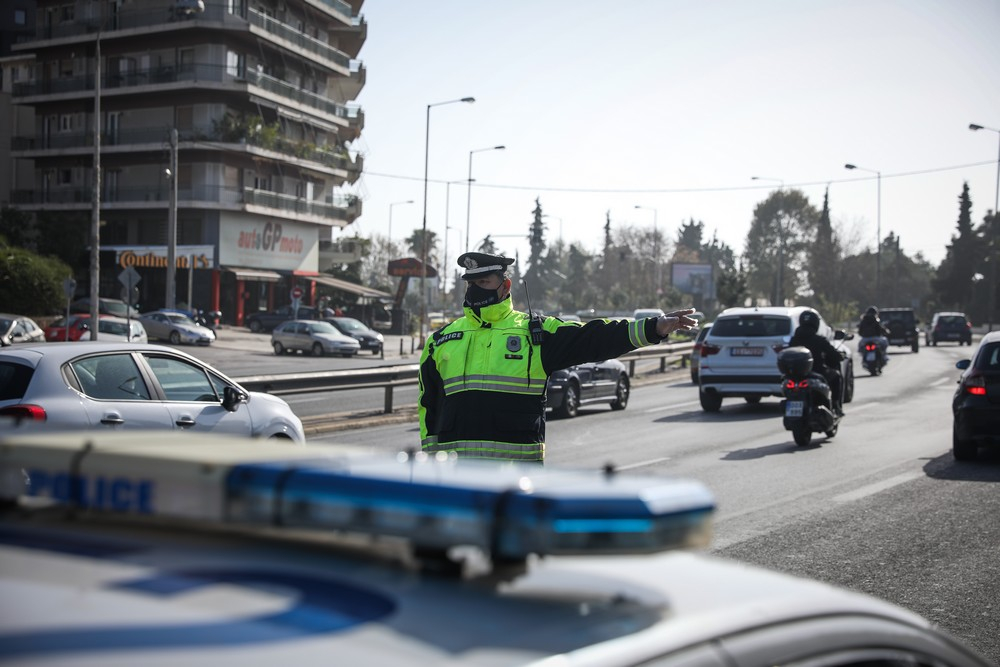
(390, 377)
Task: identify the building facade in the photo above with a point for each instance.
(225, 134)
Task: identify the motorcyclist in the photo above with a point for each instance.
(870, 328)
(826, 358)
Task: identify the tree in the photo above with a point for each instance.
(953, 282)
(29, 283)
(731, 288)
(536, 275)
(688, 247)
(776, 245)
(415, 243)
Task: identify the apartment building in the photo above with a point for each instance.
(225, 140)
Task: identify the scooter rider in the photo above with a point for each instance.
(826, 358)
(871, 328)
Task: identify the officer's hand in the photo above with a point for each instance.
(675, 321)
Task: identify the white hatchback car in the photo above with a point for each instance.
(124, 386)
(739, 357)
(121, 329)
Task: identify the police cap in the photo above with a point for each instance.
(481, 264)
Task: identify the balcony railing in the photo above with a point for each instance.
(192, 73)
(342, 207)
(160, 135)
(299, 39)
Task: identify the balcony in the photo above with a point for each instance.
(332, 212)
(298, 39)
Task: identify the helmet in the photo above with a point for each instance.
(872, 310)
(809, 319)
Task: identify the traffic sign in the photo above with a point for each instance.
(297, 293)
(129, 278)
(69, 287)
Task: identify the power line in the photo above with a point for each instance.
(735, 188)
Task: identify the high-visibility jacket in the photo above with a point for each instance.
(482, 381)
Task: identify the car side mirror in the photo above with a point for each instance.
(963, 364)
(231, 398)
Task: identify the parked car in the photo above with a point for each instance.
(588, 384)
(16, 329)
(739, 356)
(695, 361)
(949, 326)
(266, 321)
(124, 386)
(115, 307)
(367, 338)
(902, 326)
(176, 327)
(976, 404)
(78, 324)
(121, 329)
(316, 337)
(640, 313)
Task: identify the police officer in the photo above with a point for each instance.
(483, 376)
(826, 358)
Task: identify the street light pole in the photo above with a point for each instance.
(468, 196)
(878, 226)
(95, 218)
(995, 236)
(656, 246)
(395, 203)
(423, 241)
(171, 296)
(447, 213)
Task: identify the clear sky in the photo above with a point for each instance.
(673, 105)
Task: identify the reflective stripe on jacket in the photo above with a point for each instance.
(482, 381)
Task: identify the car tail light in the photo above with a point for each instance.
(25, 411)
(708, 350)
(975, 385)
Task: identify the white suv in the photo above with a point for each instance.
(739, 357)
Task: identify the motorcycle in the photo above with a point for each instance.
(208, 318)
(808, 406)
(871, 356)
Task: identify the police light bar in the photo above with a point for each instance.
(507, 510)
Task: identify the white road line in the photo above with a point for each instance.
(670, 407)
(872, 489)
(642, 464)
(858, 408)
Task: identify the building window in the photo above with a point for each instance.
(20, 17)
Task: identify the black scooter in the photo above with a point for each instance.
(807, 407)
(871, 357)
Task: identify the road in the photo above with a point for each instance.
(882, 508)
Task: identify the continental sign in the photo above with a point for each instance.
(155, 257)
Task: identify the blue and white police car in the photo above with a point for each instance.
(246, 552)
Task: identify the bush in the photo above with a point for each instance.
(31, 284)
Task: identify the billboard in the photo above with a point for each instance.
(694, 279)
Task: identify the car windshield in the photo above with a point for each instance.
(111, 327)
(752, 326)
(176, 318)
(349, 324)
(322, 328)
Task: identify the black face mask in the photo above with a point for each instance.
(477, 297)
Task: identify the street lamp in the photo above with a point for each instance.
(95, 217)
(423, 242)
(468, 196)
(767, 178)
(187, 9)
(395, 203)
(878, 226)
(996, 231)
(656, 245)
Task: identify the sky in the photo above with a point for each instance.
(674, 106)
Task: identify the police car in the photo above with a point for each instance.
(169, 552)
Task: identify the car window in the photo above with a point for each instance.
(953, 320)
(988, 358)
(14, 379)
(117, 328)
(752, 326)
(321, 327)
(113, 377)
(348, 324)
(181, 380)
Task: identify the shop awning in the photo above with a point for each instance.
(353, 288)
(258, 275)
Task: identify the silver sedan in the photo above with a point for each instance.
(314, 337)
(176, 327)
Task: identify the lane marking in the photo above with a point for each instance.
(670, 407)
(864, 406)
(877, 487)
(642, 464)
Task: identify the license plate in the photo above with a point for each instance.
(870, 356)
(793, 408)
(746, 351)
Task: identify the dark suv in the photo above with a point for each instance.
(949, 326)
(902, 326)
